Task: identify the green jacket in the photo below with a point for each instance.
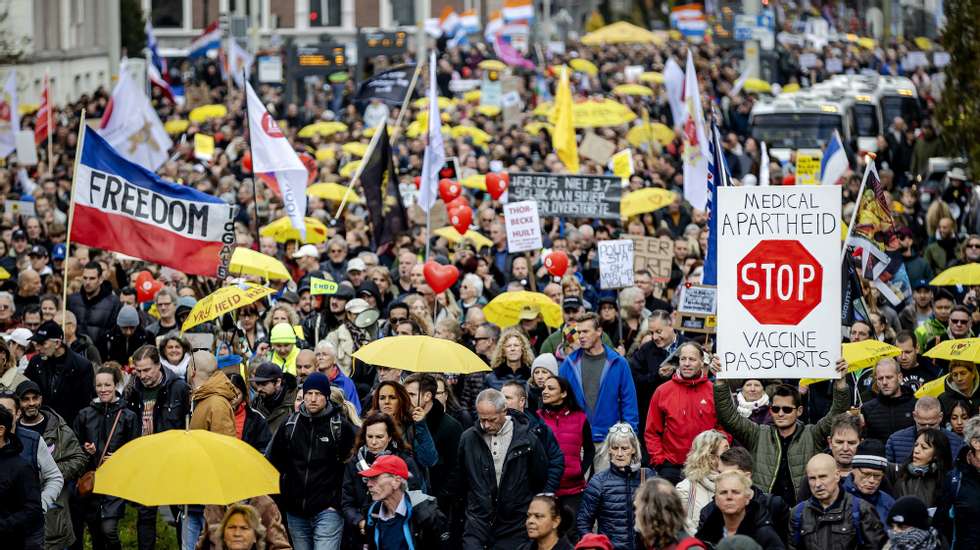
(929, 333)
(763, 441)
(72, 461)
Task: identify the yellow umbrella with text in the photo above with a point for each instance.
(224, 300)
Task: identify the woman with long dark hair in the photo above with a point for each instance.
(545, 524)
(561, 412)
(391, 398)
(923, 473)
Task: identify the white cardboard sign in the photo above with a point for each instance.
(779, 281)
(698, 299)
(615, 263)
(523, 226)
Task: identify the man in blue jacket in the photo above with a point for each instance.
(927, 413)
(602, 383)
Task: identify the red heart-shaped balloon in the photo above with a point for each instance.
(438, 276)
(497, 184)
(446, 172)
(247, 162)
(556, 263)
(461, 217)
(146, 286)
(418, 182)
(449, 189)
(456, 203)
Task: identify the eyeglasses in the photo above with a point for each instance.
(784, 409)
(973, 245)
(621, 428)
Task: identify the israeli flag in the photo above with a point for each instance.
(834, 161)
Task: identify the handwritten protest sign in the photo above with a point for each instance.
(523, 226)
(616, 263)
(568, 196)
(779, 281)
(807, 169)
(655, 255)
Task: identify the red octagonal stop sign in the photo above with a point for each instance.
(779, 282)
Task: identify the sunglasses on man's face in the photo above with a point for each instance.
(784, 409)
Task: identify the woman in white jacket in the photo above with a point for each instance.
(697, 488)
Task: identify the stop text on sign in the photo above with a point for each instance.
(787, 282)
(779, 282)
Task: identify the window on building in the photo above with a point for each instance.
(325, 13)
(282, 14)
(47, 23)
(168, 13)
(403, 12)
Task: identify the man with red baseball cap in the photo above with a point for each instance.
(394, 505)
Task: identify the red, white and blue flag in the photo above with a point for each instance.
(209, 40)
(42, 119)
(156, 69)
(123, 207)
(518, 10)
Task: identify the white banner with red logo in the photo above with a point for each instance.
(779, 281)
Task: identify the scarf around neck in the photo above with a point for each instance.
(746, 408)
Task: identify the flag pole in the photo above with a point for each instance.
(360, 168)
(408, 97)
(255, 189)
(71, 211)
(857, 206)
(47, 87)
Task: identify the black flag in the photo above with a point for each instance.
(380, 183)
(389, 86)
(852, 296)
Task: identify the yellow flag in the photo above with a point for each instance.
(621, 164)
(322, 286)
(203, 146)
(563, 138)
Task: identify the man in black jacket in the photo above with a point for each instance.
(500, 466)
(957, 515)
(66, 379)
(95, 306)
(20, 494)
(445, 430)
(516, 396)
(767, 507)
(309, 451)
(645, 363)
(119, 343)
(162, 401)
(892, 409)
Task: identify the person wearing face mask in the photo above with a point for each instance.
(608, 497)
(378, 437)
(102, 428)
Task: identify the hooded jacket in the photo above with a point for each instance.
(67, 382)
(212, 406)
(310, 450)
(952, 393)
(679, 410)
(616, 401)
(20, 507)
(495, 514)
(93, 425)
(95, 315)
(278, 407)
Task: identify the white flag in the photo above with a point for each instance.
(9, 115)
(132, 127)
(763, 164)
(435, 151)
(674, 84)
(239, 61)
(696, 150)
(275, 161)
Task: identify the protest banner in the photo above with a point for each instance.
(615, 263)
(779, 281)
(568, 196)
(807, 169)
(697, 299)
(523, 226)
(596, 148)
(203, 147)
(656, 255)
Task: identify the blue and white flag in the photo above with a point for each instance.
(151, 44)
(833, 165)
(718, 174)
(208, 40)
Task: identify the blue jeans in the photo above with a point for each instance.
(192, 526)
(323, 531)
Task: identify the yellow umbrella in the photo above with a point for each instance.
(962, 349)
(325, 154)
(492, 65)
(322, 128)
(28, 108)
(369, 132)
(543, 108)
(622, 32)
(355, 148)
(757, 85)
(923, 43)
(176, 126)
(867, 43)
(632, 89)
(584, 66)
(423, 102)
(598, 113)
(348, 169)
(475, 181)
(201, 468)
(4, 274)
(421, 354)
(245, 261)
(790, 88)
(472, 96)
(536, 127)
(282, 230)
(966, 275)
(861, 355)
(450, 234)
(932, 388)
(505, 309)
(205, 112)
(645, 200)
(479, 136)
(224, 300)
(652, 77)
(644, 133)
(333, 192)
(488, 110)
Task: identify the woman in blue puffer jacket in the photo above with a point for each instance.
(608, 498)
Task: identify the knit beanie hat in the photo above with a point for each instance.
(545, 361)
(319, 382)
(870, 454)
(282, 334)
(909, 511)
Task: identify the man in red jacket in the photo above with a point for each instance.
(680, 409)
